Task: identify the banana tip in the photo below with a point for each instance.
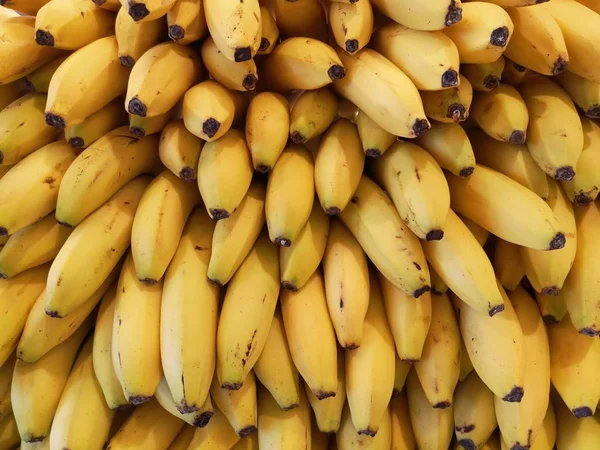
(336, 72)
(137, 107)
(202, 420)
(565, 173)
(184, 408)
(421, 291)
(136, 400)
(127, 61)
(176, 32)
(247, 431)
(53, 314)
(232, 386)
(29, 85)
(322, 395)
(560, 65)
(442, 405)
(264, 44)
(262, 168)
(466, 172)
(499, 37)
(99, 2)
(517, 137)
(3, 231)
(491, 82)
(3, 276)
(289, 286)
(593, 112)
(590, 332)
(583, 200)
(515, 395)
(218, 214)
(454, 14)
(249, 82)
(434, 235)
(297, 137)
(333, 211)
(467, 444)
(450, 78)
(210, 127)
(395, 392)
(373, 152)
(551, 290)
(351, 45)
(76, 142)
(137, 11)
(242, 54)
(148, 281)
(420, 127)
(138, 132)
(368, 432)
(282, 242)
(549, 319)
(495, 310)
(55, 120)
(290, 407)
(457, 112)
(582, 412)
(187, 174)
(558, 242)
(44, 38)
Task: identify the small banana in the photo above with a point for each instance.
(270, 32)
(179, 150)
(584, 93)
(572, 431)
(197, 419)
(187, 22)
(239, 76)
(147, 10)
(312, 114)
(348, 438)
(239, 406)
(449, 105)
(514, 74)
(484, 77)
(134, 38)
(508, 264)
(552, 307)
(374, 139)
(84, 134)
(433, 15)
(352, 24)
(438, 286)
(218, 433)
(402, 370)
(39, 80)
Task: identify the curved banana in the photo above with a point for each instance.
(328, 412)
(432, 15)
(514, 74)
(348, 438)
(197, 419)
(239, 76)
(312, 114)
(147, 10)
(584, 93)
(484, 77)
(238, 406)
(352, 24)
(449, 105)
(508, 264)
(134, 38)
(187, 22)
(270, 32)
(84, 134)
(300, 18)
(374, 139)
(39, 80)
(552, 307)
(179, 150)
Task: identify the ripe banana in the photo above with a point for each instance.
(300, 18)
(179, 150)
(484, 77)
(312, 114)
(402, 433)
(438, 286)
(572, 432)
(433, 15)
(144, 126)
(187, 22)
(514, 74)
(352, 24)
(483, 33)
(239, 76)
(39, 80)
(429, 58)
(384, 92)
(348, 438)
(239, 406)
(189, 315)
(198, 418)
(508, 264)
(269, 34)
(290, 195)
(267, 125)
(449, 105)
(552, 307)
(217, 434)
(30, 7)
(555, 136)
(6, 375)
(328, 412)
(374, 139)
(480, 233)
(401, 374)
(134, 38)
(147, 10)
(84, 134)
(79, 86)
(100, 171)
(584, 93)
(92, 251)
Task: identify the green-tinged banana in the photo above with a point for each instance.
(290, 194)
(554, 137)
(474, 414)
(300, 18)
(101, 170)
(484, 77)
(463, 265)
(584, 93)
(370, 369)
(547, 271)
(239, 406)
(438, 286)
(374, 139)
(32, 246)
(10, 92)
(39, 80)
(150, 427)
(143, 126)
(29, 190)
(449, 105)
(384, 92)
(9, 432)
(134, 38)
(518, 216)
(400, 375)
(574, 433)
(433, 15)
(239, 76)
(224, 174)
(514, 74)
(583, 189)
(6, 375)
(433, 427)
(188, 316)
(495, 346)
(508, 264)
(29, 7)
(136, 343)
(352, 24)
(209, 110)
(79, 86)
(514, 161)
(403, 437)
(198, 418)
(279, 428)
(186, 21)
(483, 33)
(37, 387)
(82, 419)
(92, 251)
(21, 55)
(429, 58)
(160, 78)
(466, 366)
(311, 336)
(84, 134)
(275, 369)
(22, 128)
(348, 438)
(183, 439)
(147, 10)
(552, 307)
(480, 233)
(267, 127)
(179, 150)
(102, 353)
(312, 114)
(269, 32)
(520, 422)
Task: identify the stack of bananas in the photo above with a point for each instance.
(299, 224)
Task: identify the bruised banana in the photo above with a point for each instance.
(270, 32)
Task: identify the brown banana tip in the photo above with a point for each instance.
(137, 11)
(322, 395)
(218, 214)
(395, 392)
(491, 82)
(409, 360)
(466, 172)
(368, 432)
(282, 242)
(495, 310)
(434, 291)
(560, 65)
(44, 38)
(184, 408)
(187, 174)
(264, 44)
(456, 112)
(336, 72)
(232, 386)
(450, 78)
(29, 85)
(297, 138)
(3, 231)
(373, 152)
(99, 2)
(121, 407)
(289, 286)
(517, 137)
(549, 319)
(590, 332)
(420, 127)
(352, 2)
(136, 400)
(2, 2)
(76, 142)
(565, 173)
(202, 420)
(137, 131)
(3, 276)
(127, 61)
(352, 46)
(249, 82)
(290, 407)
(53, 314)
(242, 54)
(520, 447)
(262, 168)
(499, 37)
(55, 121)
(64, 224)
(515, 395)
(421, 291)
(558, 242)
(582, 412)
(434, 235)
(467, 444)
(33, 439)
(176, 32)
(551, 290)
(137, 107)
(583, 200)
(247, 431)
(351, 346)
(217, 282)
(333, 211)
(519, 67)
(148, 281)
(442, 405)
(210, 127)
(454, 14)
(537, 2)
(593, 112)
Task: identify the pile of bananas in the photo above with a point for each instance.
(299, 224)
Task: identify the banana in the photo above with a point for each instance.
(571, 432)
(300, 18)
(92, 251)
(484, 77)
(101, 170)
(375, 140)
(144, 126)
(547, 271)
(84, 134)
(370, 369)
(82, 418)
(463, 265)
(508, 264)
(555, 137)
(6, 375)
(483, 33)
(552, 307)
(179, 150)
(403, 437)
(312, 114)
(21, 55)
(198, 419)
(521, 422)
(591, 4)
(134, 38)
(514, 74)
(70, 25)
(18, 296)
(39, 80)
(22, 128)
(267, 125)
(290, 195)
(147, 10)
(10, 92)
(432, 426)
(352, 24)
(217, 434)
(279, 428)
(186, 21)
(480, 233)
(183, 439)
(276, 370)
(514, 161)
(383, 92)
(495, 346)
(518, 216)
(32, 246)
(449, 105)
(269, 34)
(209, 110)
(583, 189)
(239, 407)
(428, 58)
(433, 15)
(302, 63)
(9, 433)
(79, 88)
(189, 315)
(581, 30)
(111, 5)
(102, 353)
(240, 76)
(584, 93)
(42, 445)
(141, 429)
(348, 438)
(474, 414)
(37, 387)
(29, 7)
(401, 373)
(466, 366)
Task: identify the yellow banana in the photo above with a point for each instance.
(484, 77)
(39, 80)
(239, 407)
(573, 432)
(403, 437)
(433, 15)
(449, 105)
(142, 126)
(300, 18)
(84, 134)
(480, 233)
(374, 139)
(508, 264)
(240, 76)
(10, 92)
(401, 374)
(198, 418)
(429, 58)
(270, 32)
(584, 93)
(183, 439)
(217, 434)
(147, 10)
(186, 21)
(352, 24)
(30, 7)
(348, 438)
(179, 150)
(134, 38)
(267, 125)
(552, 307)
(189, 315)
(6, 375)
(312, 114)
(514, 74)
(438, 286)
